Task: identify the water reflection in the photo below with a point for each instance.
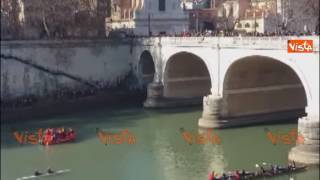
(213, 154)
(180, 160)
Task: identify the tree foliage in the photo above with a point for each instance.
(53, 18)
(303, 13)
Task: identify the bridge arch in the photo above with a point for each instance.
(186, 75)
(263, 85)
(146, 67)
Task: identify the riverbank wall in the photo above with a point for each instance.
(39, 75)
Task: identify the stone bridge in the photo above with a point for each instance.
(239, 81)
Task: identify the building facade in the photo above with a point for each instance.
(122, 14)
(202, 19)
(281, 16)
(160, 17)
(258, 24)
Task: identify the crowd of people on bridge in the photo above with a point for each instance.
(225, 33)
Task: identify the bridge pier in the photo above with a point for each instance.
(308, 152)
(154, 95)
(157, 99)
(211, 111)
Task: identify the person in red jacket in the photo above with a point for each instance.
(70, 133)
(211, 176)
(237, 175)
(48, 137)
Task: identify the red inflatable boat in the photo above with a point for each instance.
(58, 136)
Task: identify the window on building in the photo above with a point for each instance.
(231, 12)
(162, 5)
(239, 25)
(131, 15)
(257, 25)
(247, 25)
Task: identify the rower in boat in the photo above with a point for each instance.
(292, 166)
(49, 137)
(246, 173)
(37, 173)
(237, 175)
(263, 171)
(211, 176)
(50, 171)
(223, 177)
(70, 132)
(276, 169)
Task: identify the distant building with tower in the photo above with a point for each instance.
(161, 17)
(148, 17)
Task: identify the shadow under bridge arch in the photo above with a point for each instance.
(262, 88)
(146, 68)
(186, 76)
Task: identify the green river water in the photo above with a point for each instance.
(160, 152)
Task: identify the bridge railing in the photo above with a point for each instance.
(275, 42)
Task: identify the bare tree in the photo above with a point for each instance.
(302, 14)
(56, 19)
(10, 17)
(56, 16)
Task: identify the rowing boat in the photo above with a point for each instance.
(280, 172)
(262, 175)
(57, 138)
(45, 174)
